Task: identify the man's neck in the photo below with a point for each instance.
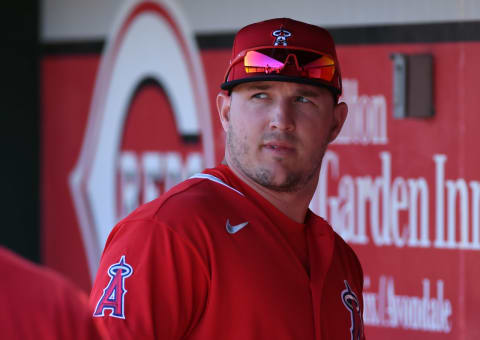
(293, 204)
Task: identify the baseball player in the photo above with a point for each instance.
(234, 252)
(37, 303)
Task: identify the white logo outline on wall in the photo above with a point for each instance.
(113, 297)
(352, 304)
(92, 180)
(281, 36)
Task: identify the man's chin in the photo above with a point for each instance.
(277, 180)
(283, 187)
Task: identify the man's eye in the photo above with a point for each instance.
(301, 99)
(260, 95)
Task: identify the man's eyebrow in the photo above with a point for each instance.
(307, 93)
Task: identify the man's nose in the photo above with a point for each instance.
(282, 117)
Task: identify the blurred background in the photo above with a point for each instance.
(107, 104)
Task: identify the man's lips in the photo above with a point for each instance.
(280, 146)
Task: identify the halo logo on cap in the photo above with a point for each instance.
(281, 37)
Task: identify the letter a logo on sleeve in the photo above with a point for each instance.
(350, 300)
(114, 293)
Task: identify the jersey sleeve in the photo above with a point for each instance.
(151, 283)
(355, 270)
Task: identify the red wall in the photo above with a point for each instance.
(421, 287)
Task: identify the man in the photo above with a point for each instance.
(36, 303)
(234, 252)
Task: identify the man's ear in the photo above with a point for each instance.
(223, 106)
(340, 112)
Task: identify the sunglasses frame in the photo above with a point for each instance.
(241, 55)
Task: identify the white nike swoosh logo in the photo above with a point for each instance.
(232, 229)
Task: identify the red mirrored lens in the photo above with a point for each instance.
(321, 68)
(259, 62)
(311, 65)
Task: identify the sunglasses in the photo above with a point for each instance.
(292, 61)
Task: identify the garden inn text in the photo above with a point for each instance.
(396, 211)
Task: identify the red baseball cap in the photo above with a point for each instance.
(284, 50)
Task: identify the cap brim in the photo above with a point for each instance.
(229, 85)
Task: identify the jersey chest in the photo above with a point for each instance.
(260, 288)
(256, 278)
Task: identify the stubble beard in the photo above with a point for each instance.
(294, 181)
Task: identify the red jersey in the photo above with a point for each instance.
(212, 259)
(36, 303)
